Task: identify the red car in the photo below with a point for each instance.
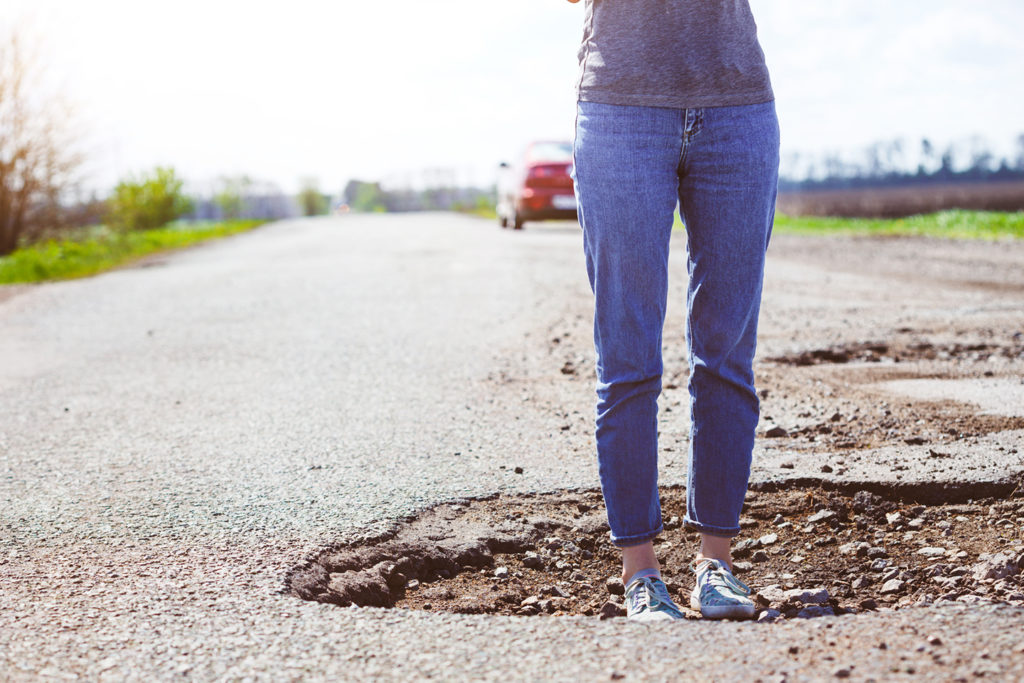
(540, 188)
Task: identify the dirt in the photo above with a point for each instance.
(808, 553)
(813, 544)
(827, 398)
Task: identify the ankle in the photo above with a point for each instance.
(639, 558)
(716, 548)
(725, 559)
(628, 577)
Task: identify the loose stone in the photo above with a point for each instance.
(611, 609)
(821, 516)
(808, 597)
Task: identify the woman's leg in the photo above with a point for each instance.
(727, 190)
(626, 161)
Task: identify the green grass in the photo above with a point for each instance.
(983, 225)
(98, 249)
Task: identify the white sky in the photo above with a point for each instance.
(335, 89)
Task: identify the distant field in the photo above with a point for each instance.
(895, 202)
(98, 249)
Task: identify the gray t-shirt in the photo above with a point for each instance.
(672, 53)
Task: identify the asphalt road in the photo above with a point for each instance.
(178, 435)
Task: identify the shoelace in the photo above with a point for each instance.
(720, 577)
(649, 594)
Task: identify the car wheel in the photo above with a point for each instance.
(517, 221)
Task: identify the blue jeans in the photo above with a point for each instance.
(632, 166)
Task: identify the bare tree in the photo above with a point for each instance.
(37, 157)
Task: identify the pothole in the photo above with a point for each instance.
(898, 352)
(807, 551)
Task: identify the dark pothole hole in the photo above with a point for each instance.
(807, 551)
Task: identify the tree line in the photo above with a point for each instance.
(897, 163)
(40, 160)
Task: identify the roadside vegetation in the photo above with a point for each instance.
(99, 248)
(954, 224)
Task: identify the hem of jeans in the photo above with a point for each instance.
(638, 539)
(719, 531)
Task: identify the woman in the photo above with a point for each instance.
(675, 106)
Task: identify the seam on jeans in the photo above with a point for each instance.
(682, 148)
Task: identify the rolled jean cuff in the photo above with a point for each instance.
(639, 539)
(720, 531)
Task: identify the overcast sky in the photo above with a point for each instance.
(382, 89)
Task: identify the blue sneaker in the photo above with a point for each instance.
(718, 594)
(647, 599)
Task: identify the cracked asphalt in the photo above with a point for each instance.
(179, 435)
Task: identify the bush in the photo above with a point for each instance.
(147, 202)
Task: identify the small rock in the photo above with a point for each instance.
(995, 566)
(860, 582)
(772, 593)
(932, 551)
(532, 560)
(518, 470)
(821, 516)
(412, 585)
(879, 565)
(553, 543)
(614, 585)
(934, 640)
(532, 600)
(779, 519)
(673, 523)
(875, 552)
(916, 523)
(745, 547)
(842, 672)
(858, 548)
(760, 556)
(501, 573)
(611, 609)
(868, 604)
(741, 566)
(892, 586)
(827, 469)
(768, 616)
(776, 433)
(812, 611)
(808, 597)
(769, 539)
(893, 518)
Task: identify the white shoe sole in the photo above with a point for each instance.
(653, 616)
(737, 611)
